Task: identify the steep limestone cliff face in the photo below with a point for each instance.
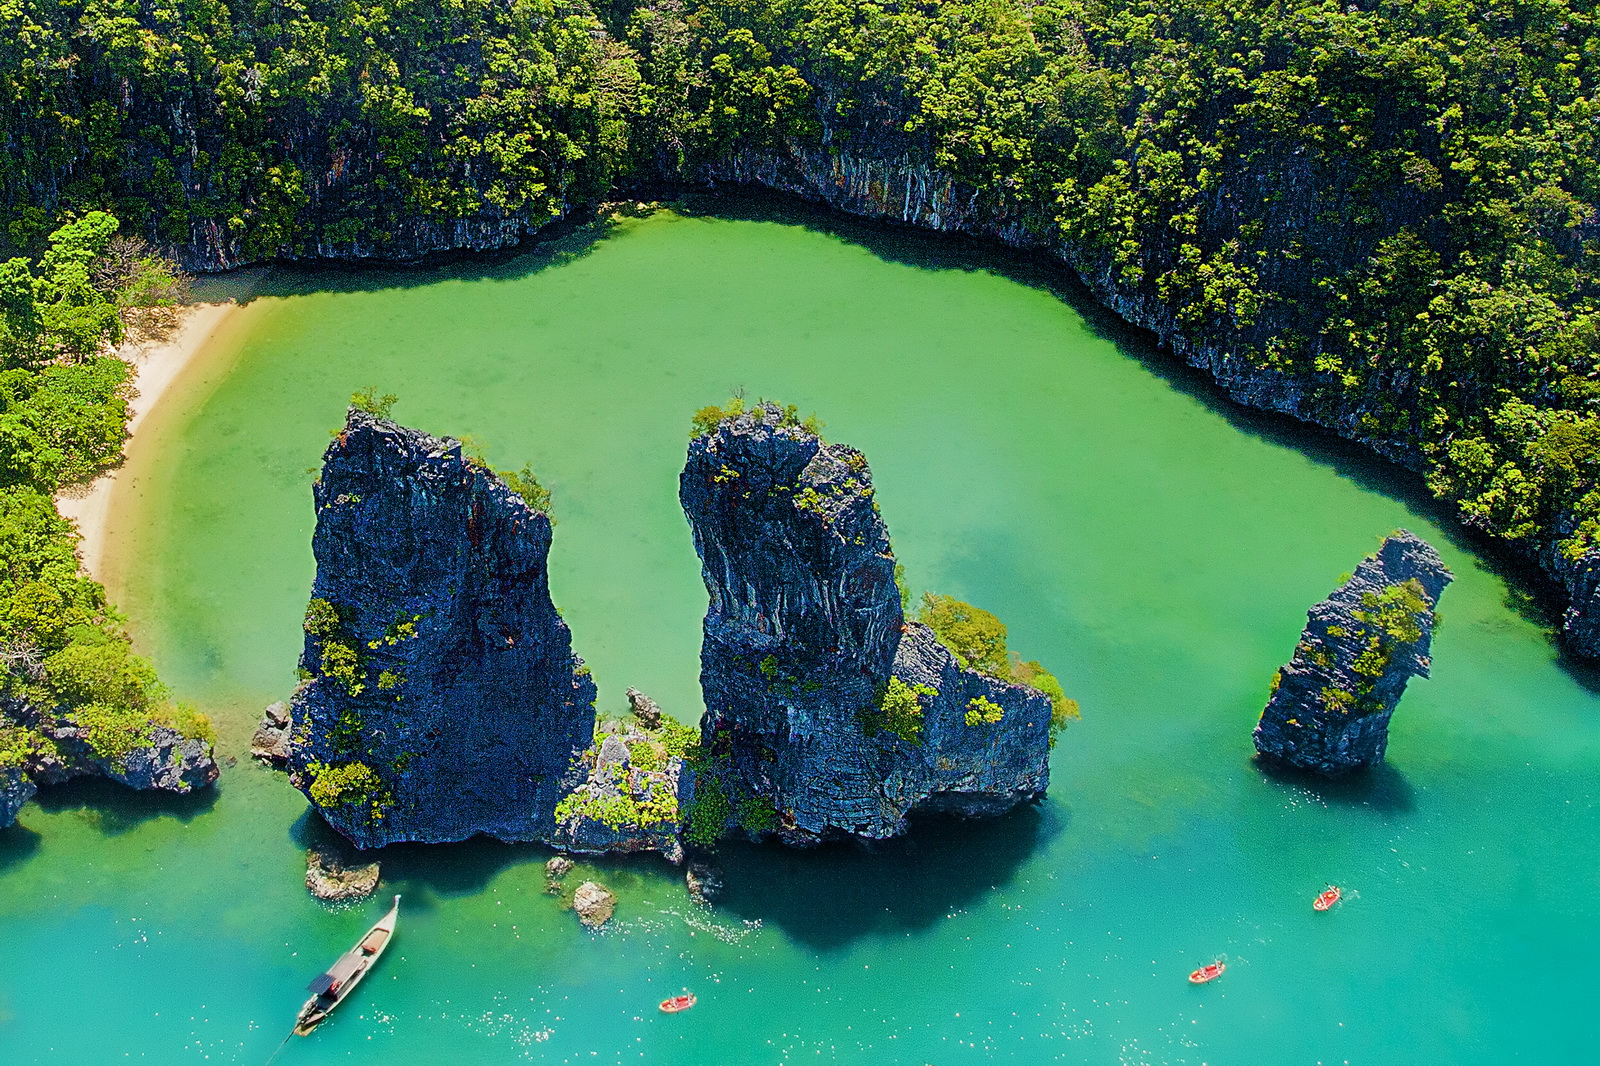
(890, 178)
(1331, 703)
(886, 176)
(444, 699)
(828, 713)
(53, 748)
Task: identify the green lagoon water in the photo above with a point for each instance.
(1156, 548)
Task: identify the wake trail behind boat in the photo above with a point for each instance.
(280, 1048)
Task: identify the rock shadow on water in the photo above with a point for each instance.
(1381, 788)
(426, 872)
(831, 896)
(18, 844)
(556, 245)
(115, 809)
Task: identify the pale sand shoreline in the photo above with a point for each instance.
(156, 367)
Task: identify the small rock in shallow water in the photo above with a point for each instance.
(704, 881)
(270, 744)
(594, 903)
(329, 878)
(647, 710)
(558, 867)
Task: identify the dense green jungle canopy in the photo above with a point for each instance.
(63, 416)
(1380, 213)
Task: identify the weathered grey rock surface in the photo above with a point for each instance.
(1332, 702)
(332, 877)
(594, 903)
(805, 634)
(168, 761)
(270, 742)
(444, 699)
(15, 790)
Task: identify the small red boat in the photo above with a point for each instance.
(1208, 972)
(677, 1003)
(1327, 899)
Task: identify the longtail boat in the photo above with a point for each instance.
(330, 989)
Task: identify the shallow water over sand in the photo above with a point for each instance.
(1154, 547)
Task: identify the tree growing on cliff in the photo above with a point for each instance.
(370, 401)
(978, 641)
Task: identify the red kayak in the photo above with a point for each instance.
(1207, 973)
(677, 1003)
(1327, 899)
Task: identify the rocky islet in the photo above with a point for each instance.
(442, 699)
(430, 571)
(52, 747)
(1331, 703)
(828, 712)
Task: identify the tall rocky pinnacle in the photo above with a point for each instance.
(1331, 703)
(443, 698)
(829, 714)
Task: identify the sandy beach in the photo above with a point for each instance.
(156, 366)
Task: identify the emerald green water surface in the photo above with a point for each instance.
(1154, 547)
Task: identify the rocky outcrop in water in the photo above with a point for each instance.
(270, 742)
(704, 882)
(629, 799)
(15, 790)
(49, 748)
(443, 698)
(1331, 704)
(594, 904)
(828, 713)
(333, 877)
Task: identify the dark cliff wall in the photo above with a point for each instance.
(1332, 702)
(444, 699)
(1378, 218)
(236, 133)
(828, 714)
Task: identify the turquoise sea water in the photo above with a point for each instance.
(1155, 547)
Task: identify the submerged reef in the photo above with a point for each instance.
(40, 747)
(828, 712)
(442, 698)
(1331, 704)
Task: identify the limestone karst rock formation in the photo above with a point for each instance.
(443, 698)
(629, 796)
(1331, 704)
(829, 713)
(51, 747)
